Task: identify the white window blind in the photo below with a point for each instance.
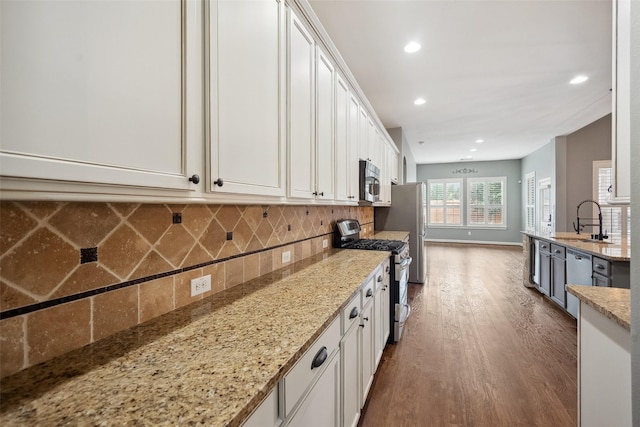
(487, 205)
(530, 206)
(445, 202)
(615, 219)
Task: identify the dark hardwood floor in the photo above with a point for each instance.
(479, 349)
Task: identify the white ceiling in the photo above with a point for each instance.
(492, 70)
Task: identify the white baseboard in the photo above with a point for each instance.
(474, 242)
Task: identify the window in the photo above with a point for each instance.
(445, 202)
(530, 207)
(487, 205)
(615, 219)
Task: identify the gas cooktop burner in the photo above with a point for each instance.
(377, 245)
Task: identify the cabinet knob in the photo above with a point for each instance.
(322, 193)
(351, 197)
(600, 266)
(219, 182)
(369, 293)
(195, 178)
(387, 269)
(379, 278)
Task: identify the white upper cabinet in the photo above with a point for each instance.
(311, 110)
(621, 116)
(96, 93)
(301, 109)
(343, 148)
(247, 150)
(354, 159)
(363, 135)
(325, 142)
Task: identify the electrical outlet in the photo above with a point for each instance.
(325, 243)
(469, 234)
(286, 257)
(200, 285)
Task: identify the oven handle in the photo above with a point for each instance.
(406, 262)
(408, 314)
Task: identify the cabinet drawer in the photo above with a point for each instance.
(601, 266)
(368, 290)
(303, 375)
(350, 313)
(558, 251)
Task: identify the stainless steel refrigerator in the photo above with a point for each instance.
(408, 212)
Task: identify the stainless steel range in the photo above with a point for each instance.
(347, 236)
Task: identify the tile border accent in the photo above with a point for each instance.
(19, 311)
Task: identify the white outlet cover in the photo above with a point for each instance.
(200, 285)
(325, 243)
(286, 256)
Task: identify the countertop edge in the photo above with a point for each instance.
(614, 303)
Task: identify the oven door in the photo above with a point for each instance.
(402, 308)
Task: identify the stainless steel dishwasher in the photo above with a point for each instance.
(578, 273)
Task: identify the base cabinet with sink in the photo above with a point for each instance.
(552, 266)
(329, 384)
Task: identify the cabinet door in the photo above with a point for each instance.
(354, 160)
(343, 155)
(621, 99)
(350, 365)
(324, 128)
(363, 135)
(558, 281)
(321, 406)
(247, 149)
(378, 346)
(386, 307)
(394, 166)
(545, 273)
(301, 68)
(267, 413)
(94, 92)
(366, 347)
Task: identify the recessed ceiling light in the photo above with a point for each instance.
(420, 101)
(473, 150)
(578, 79)
(479, 141)
(469, 157)
(412, 47)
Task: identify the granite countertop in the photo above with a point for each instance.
(390, 235)
(614, 303)
(616, 250)
(210, 363)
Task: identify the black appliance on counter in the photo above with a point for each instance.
(347, 236)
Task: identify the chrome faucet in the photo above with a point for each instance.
(577, 227)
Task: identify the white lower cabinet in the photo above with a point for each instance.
(350, 363)
(366, 351)
(321, 407)
(267, 414)
(329, 384)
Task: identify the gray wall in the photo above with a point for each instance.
(406, 156)
(592, 142)
(542, 162)
(635, 207)
(509, 168)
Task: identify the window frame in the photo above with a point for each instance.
(486, 206)
(445, 181)
(530, 202)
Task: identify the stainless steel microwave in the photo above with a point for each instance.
(369, 182)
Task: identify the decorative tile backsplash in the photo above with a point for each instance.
(73, 273)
